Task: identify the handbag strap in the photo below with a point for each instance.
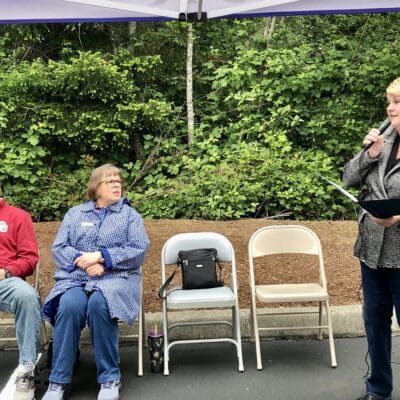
(220, 280)
(166, 283)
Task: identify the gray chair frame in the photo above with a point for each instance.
(221, 297)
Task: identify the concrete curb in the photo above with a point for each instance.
(347, 322)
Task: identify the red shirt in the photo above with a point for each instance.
(18, 247)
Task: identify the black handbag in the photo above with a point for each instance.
(199, 270)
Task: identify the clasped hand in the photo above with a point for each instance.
(91, 263)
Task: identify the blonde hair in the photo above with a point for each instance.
(394, 87)
(97, 175)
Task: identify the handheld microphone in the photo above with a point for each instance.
(381, 129)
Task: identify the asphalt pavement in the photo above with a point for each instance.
(293, 370)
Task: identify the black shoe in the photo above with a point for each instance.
(367, 397)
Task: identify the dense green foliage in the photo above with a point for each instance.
(273, 111)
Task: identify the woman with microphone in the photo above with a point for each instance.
(376, 170)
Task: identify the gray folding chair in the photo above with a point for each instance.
(194, 299)
(285, 239)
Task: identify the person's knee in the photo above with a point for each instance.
(97, 303)
(98, 309)
(72, 303)
(378, 316)
(27, 298)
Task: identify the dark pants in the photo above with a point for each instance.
(381, 289)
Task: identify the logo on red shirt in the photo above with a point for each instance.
(3, 227)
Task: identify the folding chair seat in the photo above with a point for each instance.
(9, 321)
(195, 299)
(287, 239)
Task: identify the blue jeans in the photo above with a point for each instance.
(381, 289)
(21, 299)
(77, 307)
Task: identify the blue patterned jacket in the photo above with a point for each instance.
(118, 232)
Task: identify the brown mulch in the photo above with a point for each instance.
(337, 239)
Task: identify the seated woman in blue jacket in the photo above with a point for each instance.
(98, 251)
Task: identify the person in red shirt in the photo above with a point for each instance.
(18, 258)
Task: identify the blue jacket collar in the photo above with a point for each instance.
(116, 207)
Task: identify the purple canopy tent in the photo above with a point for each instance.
(79, 11)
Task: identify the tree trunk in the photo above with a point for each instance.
(137, 145)
(269, 27)
(189, 85)
(111, 37)
(131, 35)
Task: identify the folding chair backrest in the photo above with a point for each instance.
(197, 240)
(284, 239)
(36, 277)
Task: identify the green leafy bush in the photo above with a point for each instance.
(273, 110)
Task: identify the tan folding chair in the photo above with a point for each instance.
(138, 333)
(284, 239)
(9, 321)
(195, 299)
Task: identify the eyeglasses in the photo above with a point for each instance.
(112, 182)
